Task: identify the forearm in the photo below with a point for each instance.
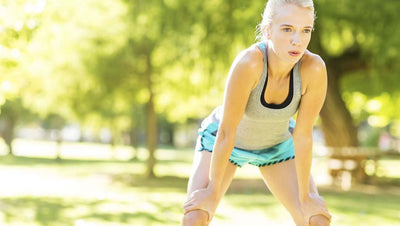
(303, 153)
(222, 150)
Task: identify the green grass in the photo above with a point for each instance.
(42, 191)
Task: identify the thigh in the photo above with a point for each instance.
(281, 180)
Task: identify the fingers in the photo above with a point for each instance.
(321, 212)
(326, 214)
(315, 206)
(187, 209)
(200, 199)
(188, 201)
(319, 217)
(189, 205)
(192, 202)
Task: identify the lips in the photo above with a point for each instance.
(294, 53)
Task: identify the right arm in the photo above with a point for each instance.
(243, 77)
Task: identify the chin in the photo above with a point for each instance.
(293, 59)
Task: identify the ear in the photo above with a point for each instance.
(267, 32)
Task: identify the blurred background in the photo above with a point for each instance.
(101, 101)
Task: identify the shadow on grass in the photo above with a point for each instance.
(136, 180)
(126, 217)
(364, 203)
(32, 161)
(384, 181)
(43, 211)
(238, 186)
(59, 211)
(25, 161)
(248, 186)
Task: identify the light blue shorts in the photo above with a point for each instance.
(264, 157)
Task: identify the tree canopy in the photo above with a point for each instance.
(103, 63)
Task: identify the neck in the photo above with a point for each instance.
(277, 68)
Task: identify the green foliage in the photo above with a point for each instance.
(18, 23)
(369, 27)
(196, 44)
(72, 35)
(89, 60)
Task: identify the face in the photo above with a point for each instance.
(290, 31)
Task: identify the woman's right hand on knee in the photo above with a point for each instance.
(204, 199)
(312, 206)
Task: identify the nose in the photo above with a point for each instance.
(295, 39)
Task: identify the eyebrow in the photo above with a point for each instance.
(288, 25)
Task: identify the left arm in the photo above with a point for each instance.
(310, 106)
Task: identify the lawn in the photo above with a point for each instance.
(91, 190)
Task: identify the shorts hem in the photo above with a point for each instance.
(204, 149)
(274, 162)
(235, 163)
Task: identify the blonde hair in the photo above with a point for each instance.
(270, 10)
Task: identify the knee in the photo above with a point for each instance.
(195, 218)
(319, 220)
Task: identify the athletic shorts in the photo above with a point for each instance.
(279, 153)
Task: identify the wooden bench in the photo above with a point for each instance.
(348, 164)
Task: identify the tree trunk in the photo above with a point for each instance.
(151, 137)
(151, 120)
(113, 142)
(7, 126)
(8, 133)
(134, 142)
(59, 142)
(337, 123)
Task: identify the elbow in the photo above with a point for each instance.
(302, 134)
(227, 135)
(303, 139)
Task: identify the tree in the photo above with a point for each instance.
(104, 63)
(360, 53)
(18, 23)
(181, 50)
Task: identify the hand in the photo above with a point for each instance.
(203, 199)
(314, 205)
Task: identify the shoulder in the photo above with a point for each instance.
(249, 64)
(250, 58)
(313, 70)
(312, 63)
(242, 76)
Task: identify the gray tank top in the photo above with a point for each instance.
(264, 125)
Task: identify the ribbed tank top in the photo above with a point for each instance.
(264, 125)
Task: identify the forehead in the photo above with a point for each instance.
(293, 15)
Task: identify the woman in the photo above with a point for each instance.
(263, 91)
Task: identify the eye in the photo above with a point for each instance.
(286, 29)
(307, 30)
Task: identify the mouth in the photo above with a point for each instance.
(294, 53)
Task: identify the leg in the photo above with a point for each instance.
(281, 179)
(199, 179)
